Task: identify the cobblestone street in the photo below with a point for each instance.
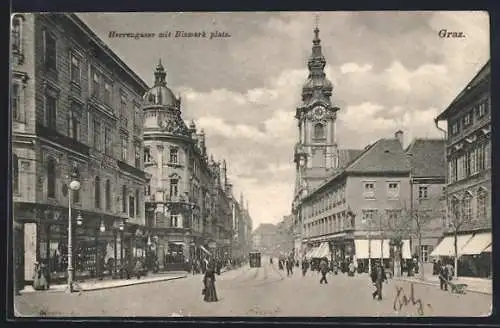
(264, 291)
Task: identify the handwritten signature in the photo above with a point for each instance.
(401, 300)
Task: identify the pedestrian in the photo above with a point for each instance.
(323, 267)
(352, 268)
(209, 292)
(305, 266)
(138, 268)
(443, 277)
(378, 277)
(39, 279)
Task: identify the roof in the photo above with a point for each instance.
(347, 156)
(427, 158)
(88, 31)
(385, 155)
(484, 73)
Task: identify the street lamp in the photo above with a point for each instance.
(102, 227)
(74, 185)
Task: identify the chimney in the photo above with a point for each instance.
(399, 136)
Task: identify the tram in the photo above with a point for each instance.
(254, 259)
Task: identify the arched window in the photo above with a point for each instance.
(482, 201)
(108, 194)
(97, 192)
(51, 178)
(15, 174)
(319, 131)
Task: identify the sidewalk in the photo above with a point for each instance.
(90, 285)
(476, 285)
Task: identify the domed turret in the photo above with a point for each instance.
(160, 94)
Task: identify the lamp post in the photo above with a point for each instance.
(74, 185)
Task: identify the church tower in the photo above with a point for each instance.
(316, 153)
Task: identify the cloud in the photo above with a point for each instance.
(355, 68)
(390, 71)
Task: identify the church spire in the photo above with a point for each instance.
(160, 74)
(316, 63)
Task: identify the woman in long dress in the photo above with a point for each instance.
(209, 292)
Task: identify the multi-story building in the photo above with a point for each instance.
(316, 153)
(75, 109)
(356, 213)
(189, 198)
(427, 194)
(468, 190)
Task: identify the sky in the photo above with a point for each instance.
(390, 70)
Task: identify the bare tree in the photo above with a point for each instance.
(397, 226)
(459, 215)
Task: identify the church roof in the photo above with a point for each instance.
(384, 156)
(427, 158)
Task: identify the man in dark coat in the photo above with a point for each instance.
(443, 277)
(323, 268)
(378, 278)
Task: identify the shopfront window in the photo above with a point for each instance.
(175, 253)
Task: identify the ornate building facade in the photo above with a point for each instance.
(189, 199)
(468, 188)
(75, 114)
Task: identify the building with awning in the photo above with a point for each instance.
(467, 244)
(446, 246)
(478, 243)
(469, 186)
(377, 248)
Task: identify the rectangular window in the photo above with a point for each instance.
(423, 192)
(124, 199)
(124, 145)
(174, 220)
(467, 120)
(17, 108)
(50, 52)
(73, 125)
(467, 164)
(16, 35)
(75, 69)
(480, 158)
(123, 109)
(174, 187)
(50, 111)
(368, 216)
(107, 93)
(108, 142)
(455, 128)
(473, 162)
(147, 155)
(393, 217)
(96, 85)
(131, 204)
(97, 135)
(482, 108)
(369, 190)
(137, 119)
(393, 190)
(137, 156)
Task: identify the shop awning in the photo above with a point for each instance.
(487, 249)
(322, 251)
(446, 246)
(371, 248)
(477, 244)
(310, 253)
(406, 250)
(205, 250)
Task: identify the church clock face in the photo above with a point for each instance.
(319, 113)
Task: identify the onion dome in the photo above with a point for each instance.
(160, 94)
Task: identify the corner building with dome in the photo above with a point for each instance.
(189, 201)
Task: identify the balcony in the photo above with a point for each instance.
(54, 136)
(130, 169)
